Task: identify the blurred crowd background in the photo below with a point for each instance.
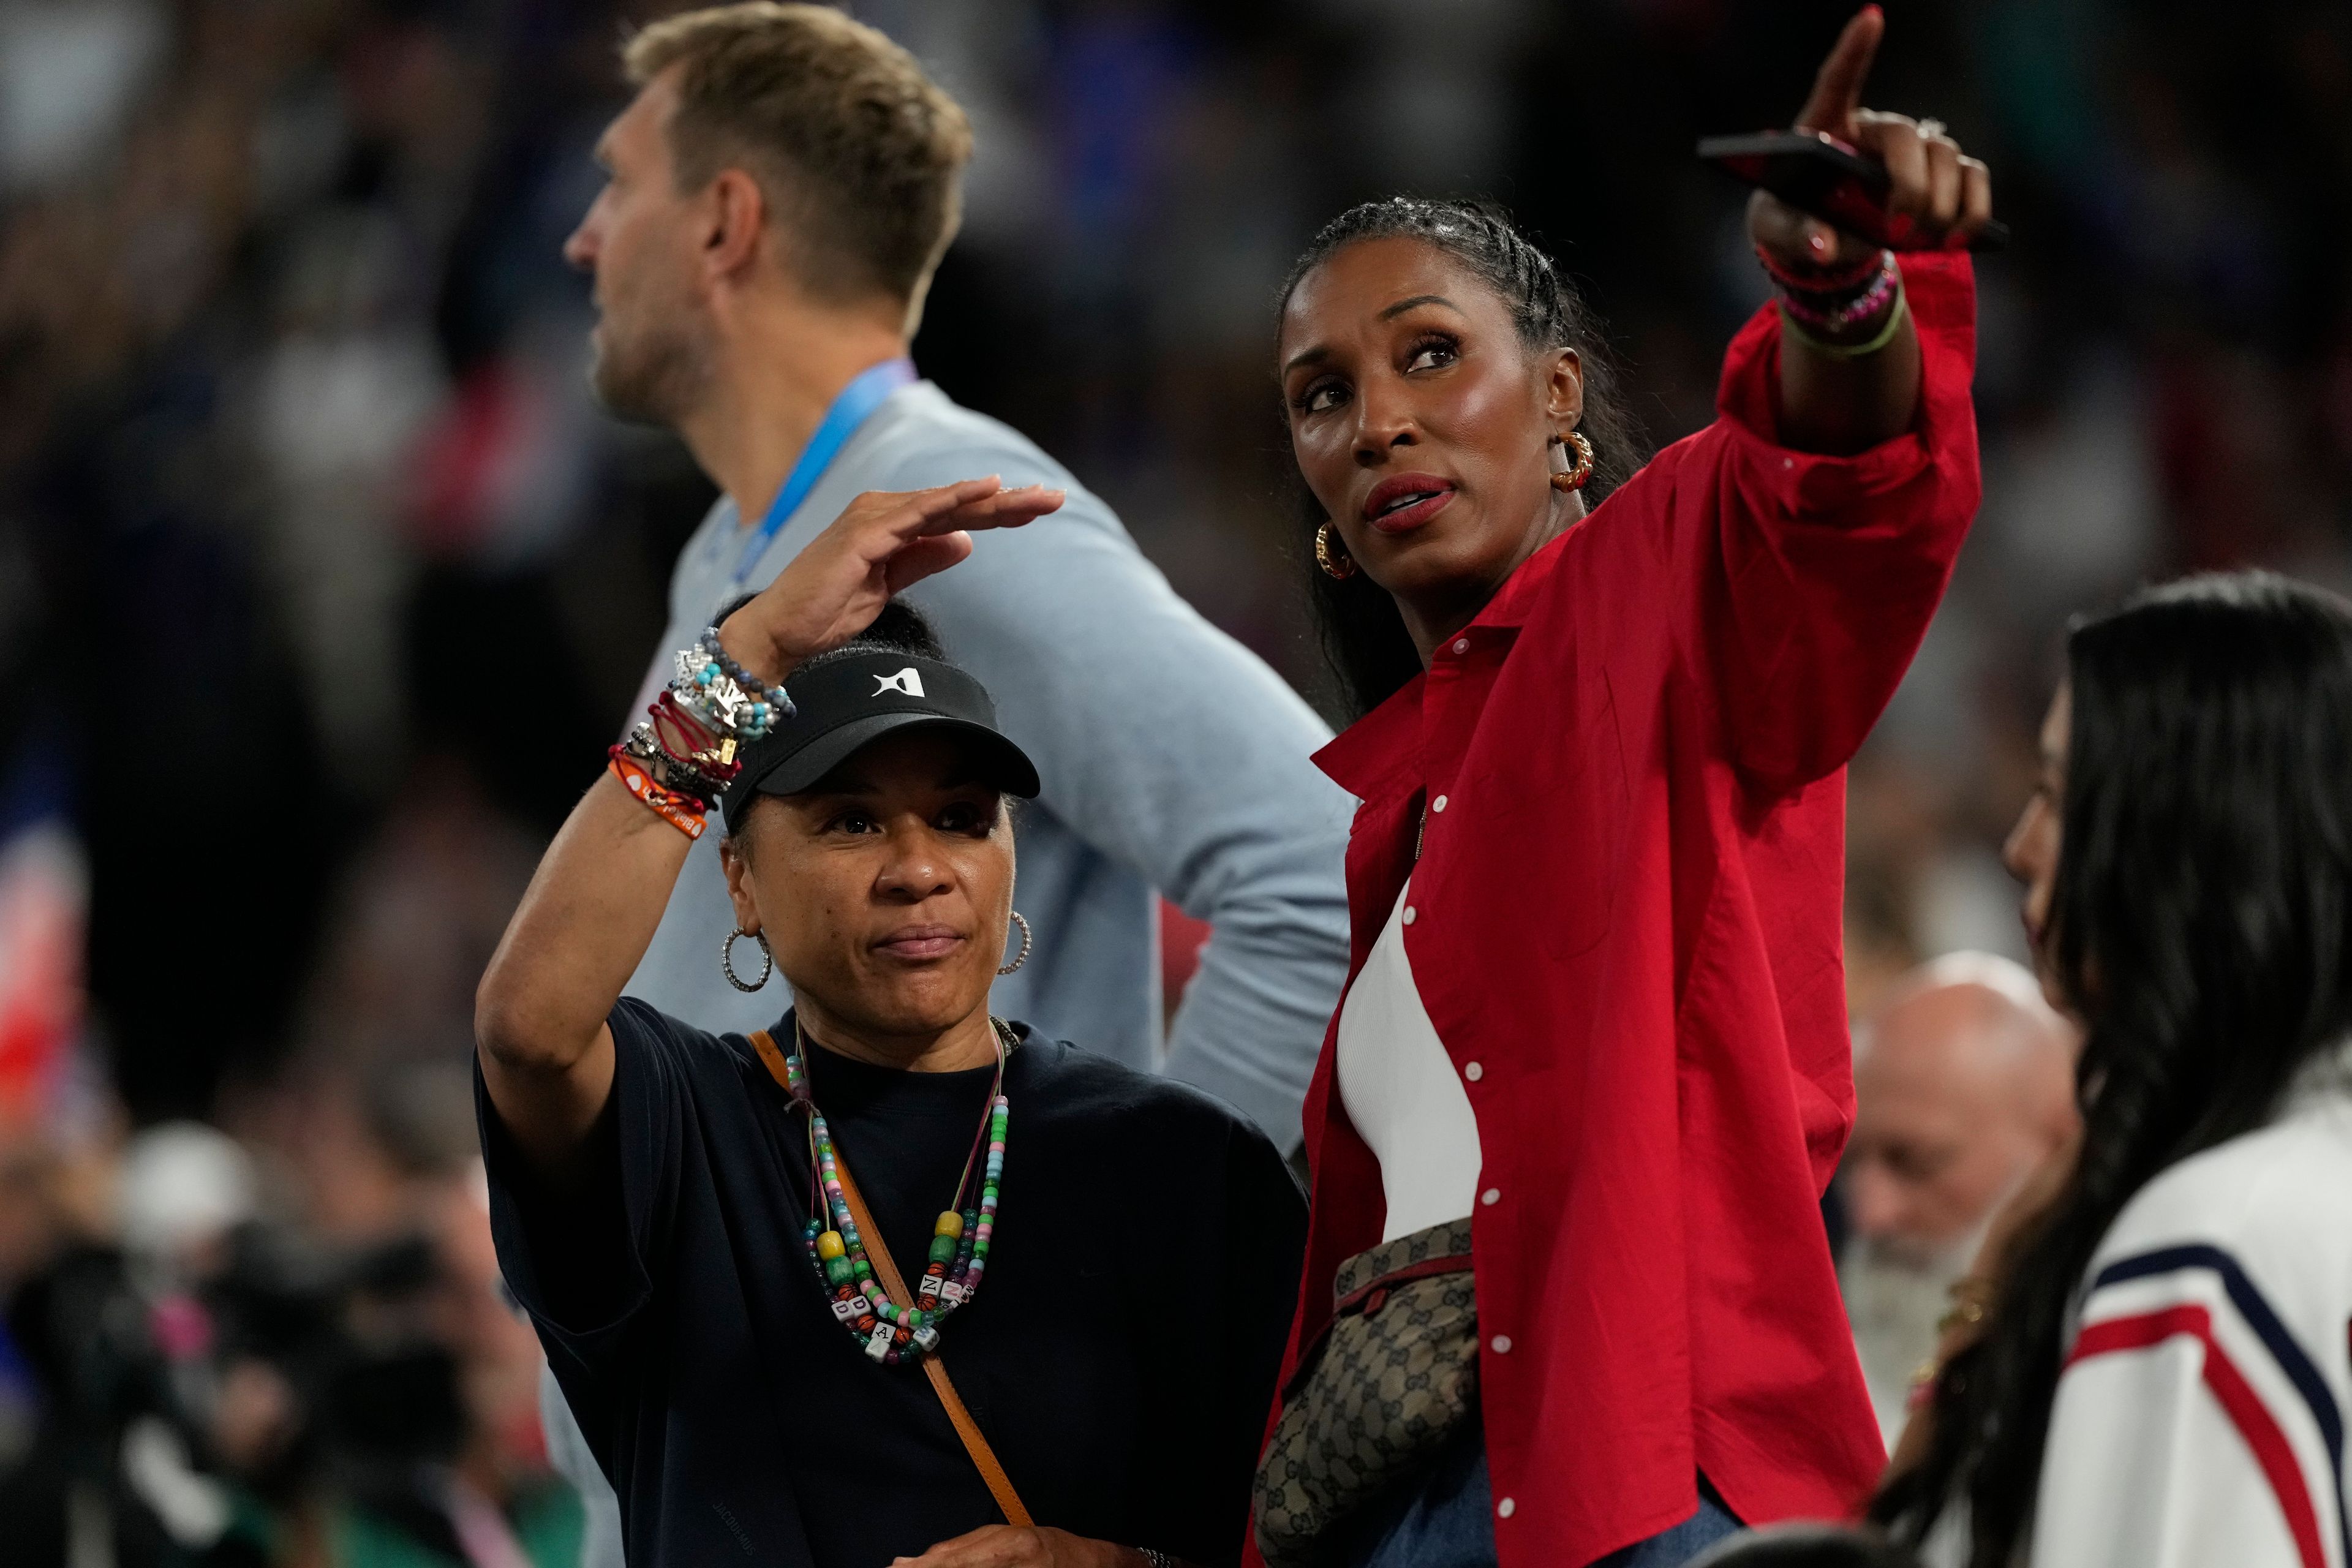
(323, 585)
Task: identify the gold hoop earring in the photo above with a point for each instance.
(1565, 475)
(1022, 956)
(1332, 556)
(727, 960)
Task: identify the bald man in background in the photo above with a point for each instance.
(1964, 1082)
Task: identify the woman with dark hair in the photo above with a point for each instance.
(2161, 1372)
(751, 1258)
(1568, 1297)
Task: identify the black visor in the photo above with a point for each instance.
(845, 703)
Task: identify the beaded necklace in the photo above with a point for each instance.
(891, 1332)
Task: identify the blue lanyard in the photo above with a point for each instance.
(861, 397)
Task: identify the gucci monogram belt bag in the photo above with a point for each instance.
(1393, 1376)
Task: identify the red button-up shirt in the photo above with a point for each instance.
(1625, 925)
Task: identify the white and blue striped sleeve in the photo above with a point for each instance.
(2199, 1413)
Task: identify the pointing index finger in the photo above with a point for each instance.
(1837, 88)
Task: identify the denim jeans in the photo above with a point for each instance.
(1449, 1523)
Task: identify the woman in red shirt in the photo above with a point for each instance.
(1595, 1033)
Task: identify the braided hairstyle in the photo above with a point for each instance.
(1362, 635)
(2201, 925)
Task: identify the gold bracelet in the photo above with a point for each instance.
(1975, 1288)
(1879, 339)
(1963, 1313)
(1972, 1297)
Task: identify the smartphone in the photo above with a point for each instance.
(1816, 172)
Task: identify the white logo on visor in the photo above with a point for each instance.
(906, 682)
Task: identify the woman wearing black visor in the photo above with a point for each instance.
(753, 1260)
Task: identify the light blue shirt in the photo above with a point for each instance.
(1174, 760)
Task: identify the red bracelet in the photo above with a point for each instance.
(699, 735)
(688, 741)
(1832, 313)
(1824, 283)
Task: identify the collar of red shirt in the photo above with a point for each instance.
(1381, 752)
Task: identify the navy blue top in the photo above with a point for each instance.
(1121, 1355)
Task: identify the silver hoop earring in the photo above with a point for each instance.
(1022, 956)
(727, 961)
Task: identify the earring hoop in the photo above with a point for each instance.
(1337, 563)
(1022, 956)
(1566, 476)
(727, 960)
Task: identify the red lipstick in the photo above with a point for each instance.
(1403, 502)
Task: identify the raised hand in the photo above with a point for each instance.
(1937, 196)
(882, 542)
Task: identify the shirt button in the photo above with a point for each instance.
(1491, 1197)
(1504, 1509)
(1501, 1343)
(1437, 804)
(1410, 914)
(1461, 645)
(1473, 1072)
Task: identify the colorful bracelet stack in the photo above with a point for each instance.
(682, 756)
(675, 766)
(1820, 308)
(727, 699)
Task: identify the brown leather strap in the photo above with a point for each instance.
(1000, 1484)
(975, 1443)
(772, 1057)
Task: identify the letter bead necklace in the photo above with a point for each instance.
(891, 1332)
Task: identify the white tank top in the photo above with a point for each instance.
(1402, 1093)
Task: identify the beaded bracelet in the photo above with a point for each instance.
(704, 689)
(1796, 282)
(1832, 313)
(738, 674)
(1864, 350)
(679, 811)
(725, 695)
